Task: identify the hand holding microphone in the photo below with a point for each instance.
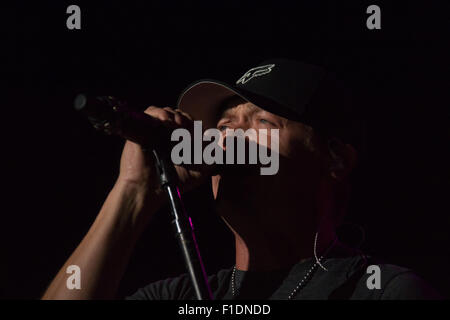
(144, 131)
(137, 166)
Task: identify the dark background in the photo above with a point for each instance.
(57, 171)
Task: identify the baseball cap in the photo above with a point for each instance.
(292, 89)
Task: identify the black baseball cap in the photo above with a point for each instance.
(292, 89)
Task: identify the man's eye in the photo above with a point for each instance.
(222, 128)
(264, 121)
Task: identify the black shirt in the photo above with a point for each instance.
(345, 278)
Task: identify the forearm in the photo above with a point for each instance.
(103, 254)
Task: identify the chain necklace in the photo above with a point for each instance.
(302, 282)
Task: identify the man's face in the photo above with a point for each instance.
(299, 165)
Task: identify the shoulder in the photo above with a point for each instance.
(392, 282)
(178, 288)
(404, 284)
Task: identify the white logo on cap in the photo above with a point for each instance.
(255, 72)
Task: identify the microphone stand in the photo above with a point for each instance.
(111, 116)
(184, 231)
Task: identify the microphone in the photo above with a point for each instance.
(113, 116)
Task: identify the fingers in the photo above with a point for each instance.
(159, 113)
(167, 114)
(173, 115)
(187, 115)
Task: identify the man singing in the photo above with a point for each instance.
(284, 224)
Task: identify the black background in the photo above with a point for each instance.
(57, 171)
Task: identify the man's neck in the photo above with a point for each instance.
(276, 235)
(267, 254)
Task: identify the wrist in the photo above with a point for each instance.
(143, 201)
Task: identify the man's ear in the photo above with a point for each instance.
(343, 158)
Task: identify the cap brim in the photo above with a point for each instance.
(203, 99)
